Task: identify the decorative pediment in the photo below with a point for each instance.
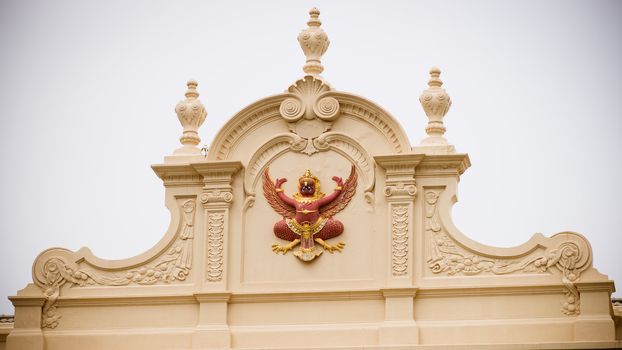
(307, 173)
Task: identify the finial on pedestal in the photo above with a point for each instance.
(436, 103)
(314, 43)
(191, 114)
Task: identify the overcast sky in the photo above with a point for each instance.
(87, 92)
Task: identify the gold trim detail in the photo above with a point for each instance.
(306, 211)
(305, 230)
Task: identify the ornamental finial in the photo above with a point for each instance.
(436, 103)
(314, 43)
(191, 114)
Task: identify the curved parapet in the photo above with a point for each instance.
(170, 260)
(563, 257)
(308, 110)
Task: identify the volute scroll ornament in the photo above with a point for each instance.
(400, 189)
(326, 108)
(309, 98)
(292, 109)
(216, 195)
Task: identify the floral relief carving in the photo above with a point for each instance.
(569, 256)
(399, 240)
(215, 245)
(173, 265)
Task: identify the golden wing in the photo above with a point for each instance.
(269, 191)
(349, 188)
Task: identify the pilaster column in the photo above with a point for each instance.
(212, 331)
(217, 198)
(400, 189)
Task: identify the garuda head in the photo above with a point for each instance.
(308, 186)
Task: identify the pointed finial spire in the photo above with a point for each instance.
(191, 114)
(314, 43)
(436, 103)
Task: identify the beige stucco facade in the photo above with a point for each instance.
(405, 276)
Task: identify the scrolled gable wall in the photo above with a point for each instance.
(406, 275)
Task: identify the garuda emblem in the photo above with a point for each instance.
(308, 216)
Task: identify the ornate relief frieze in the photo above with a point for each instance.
(399, 240)
(215, 246)
(52, 272)
(568, 253)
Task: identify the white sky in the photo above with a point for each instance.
(87, 91)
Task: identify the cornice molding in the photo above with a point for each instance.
(443, 165)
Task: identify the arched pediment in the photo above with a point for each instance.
(309, 109)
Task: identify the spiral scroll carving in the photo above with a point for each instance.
(292, 109)
(327, 108)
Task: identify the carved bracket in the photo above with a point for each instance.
(55, 267)
(567, 252)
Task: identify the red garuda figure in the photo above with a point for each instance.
(308, 217)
